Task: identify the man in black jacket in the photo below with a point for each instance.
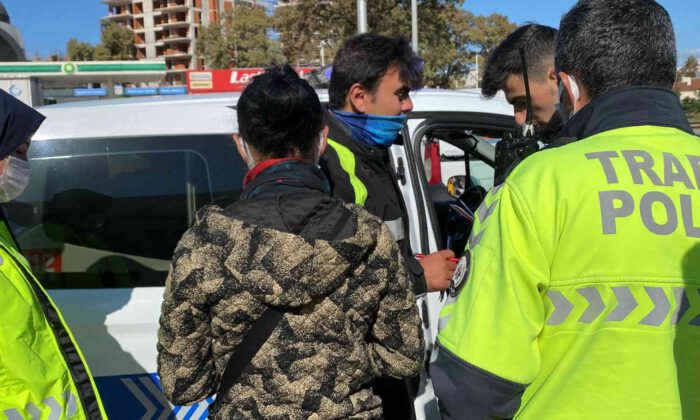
(504, 71)
(369, 99)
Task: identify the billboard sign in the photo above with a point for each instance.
(228, 80)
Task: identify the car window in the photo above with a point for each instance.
(109, 212)
(453, 167)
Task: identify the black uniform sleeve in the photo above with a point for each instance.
(466, 392)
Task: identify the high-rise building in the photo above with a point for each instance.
(168, 29)
(11, 46)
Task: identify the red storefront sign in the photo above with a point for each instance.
(229, 80)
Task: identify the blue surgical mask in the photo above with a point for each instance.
(374, 130)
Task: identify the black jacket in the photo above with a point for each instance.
(373, 170)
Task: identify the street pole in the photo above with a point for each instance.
(361, 16)
(477, 70)
(414, 25)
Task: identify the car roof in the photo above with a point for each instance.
(207, 114)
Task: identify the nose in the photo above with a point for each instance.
(406, 105)
(520, 117)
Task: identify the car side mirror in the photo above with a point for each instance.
(456, 185)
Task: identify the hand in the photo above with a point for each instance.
(438, 268)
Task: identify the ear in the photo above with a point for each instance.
(242, 150)
(323, 142)
(567, 97)
(357, 99)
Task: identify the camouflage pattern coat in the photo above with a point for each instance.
(350, 317)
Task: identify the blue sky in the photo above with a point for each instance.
(47, 25)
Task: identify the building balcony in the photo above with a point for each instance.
(177, 40)
(176, 54)
(175, 24)
(175, 7)
(116, 2)
(118, 16)
(171, 53)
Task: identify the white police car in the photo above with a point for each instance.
(115, 183)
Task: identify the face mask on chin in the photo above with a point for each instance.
(374, 130)
(14, 179)
(562, 106)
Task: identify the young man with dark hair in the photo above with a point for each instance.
(369, 99)
(582, 297)
(288, 303)
(504, 71)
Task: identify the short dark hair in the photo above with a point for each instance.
(607, 45)
(539, 42)
(366, 58)
(279, 114)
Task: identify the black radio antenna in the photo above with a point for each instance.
(529, 126)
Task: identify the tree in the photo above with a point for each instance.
(241, 40)
(79, 51)
(117, 43)
(486, 32)
(303, 25)
(690, 67)
(102, 53)
(447, 34)
(691, 107)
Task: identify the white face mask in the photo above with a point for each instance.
(251, 161)
(317, 155)
(14, 179)
(565, 113)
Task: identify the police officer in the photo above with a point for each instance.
(42, 371)
(581, 297)
(369, 99)
(504, 71)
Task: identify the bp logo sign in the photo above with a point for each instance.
(69, 68)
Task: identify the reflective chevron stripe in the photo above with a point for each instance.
(696, 320)
(661, 306)
(53, 412)
(474, 240)
(623, 305)
(485, 211)
(682, 305)
(595, 304)
(562, 307)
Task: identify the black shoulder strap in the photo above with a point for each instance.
(249, 347)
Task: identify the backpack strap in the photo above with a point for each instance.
(249, 347)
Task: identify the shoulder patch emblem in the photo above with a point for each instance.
(459, 279)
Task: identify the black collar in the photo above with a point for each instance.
(551, 130)
(288, 177)
(628, 107)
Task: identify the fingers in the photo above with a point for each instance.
(446, 253)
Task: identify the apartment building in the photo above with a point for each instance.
(168, 29)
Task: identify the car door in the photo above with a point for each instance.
(468, 139)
